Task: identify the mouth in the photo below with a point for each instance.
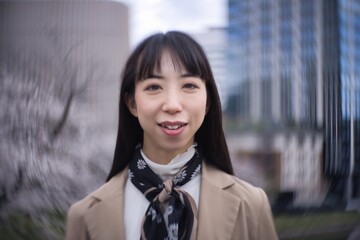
(172, 126)
(172, 129)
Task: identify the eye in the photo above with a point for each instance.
(190, 86)
(153, 87)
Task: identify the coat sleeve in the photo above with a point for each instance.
(76, 227)
(266, 227)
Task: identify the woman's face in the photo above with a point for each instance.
(170, 106)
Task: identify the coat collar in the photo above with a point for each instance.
(218, 208)
(105, 219)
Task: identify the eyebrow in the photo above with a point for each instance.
(152, 75)
(187, 75)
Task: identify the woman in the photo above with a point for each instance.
(171, 176)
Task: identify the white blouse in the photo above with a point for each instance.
(135, 202)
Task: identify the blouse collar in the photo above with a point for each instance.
(165, 171)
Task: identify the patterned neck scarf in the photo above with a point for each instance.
(182, 211)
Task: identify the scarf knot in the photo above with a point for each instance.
(164, 195)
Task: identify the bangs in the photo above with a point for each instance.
(184, 52)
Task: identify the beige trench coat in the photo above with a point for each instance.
(229, 208)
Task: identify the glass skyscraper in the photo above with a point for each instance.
(347, 161)
(294, 65)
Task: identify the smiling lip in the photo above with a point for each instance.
(172, 128)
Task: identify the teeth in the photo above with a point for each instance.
(173, 127)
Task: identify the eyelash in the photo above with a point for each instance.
(152, 87)
(190, 86)
(155, 87)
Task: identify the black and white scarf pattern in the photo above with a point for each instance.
(182, 211)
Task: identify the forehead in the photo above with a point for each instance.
(168, 62)
(178, 55)
(154, 61)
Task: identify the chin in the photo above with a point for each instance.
(179, 148)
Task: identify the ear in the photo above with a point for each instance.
(131, 104)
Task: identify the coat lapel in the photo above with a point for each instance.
(105, 219)
(218, 208)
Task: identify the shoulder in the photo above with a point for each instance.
(76, 226)
(233, 185)
(76, 223)
(79, 208)
(253, 199)
(113, 187)
(247, 191)
(254, 206)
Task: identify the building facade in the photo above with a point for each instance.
(342, 109)
(275, 62)
(213, 40)
(294, 67)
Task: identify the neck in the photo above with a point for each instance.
(161, 156)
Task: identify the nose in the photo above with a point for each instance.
(172, 102)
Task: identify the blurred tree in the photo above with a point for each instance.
(40, 136)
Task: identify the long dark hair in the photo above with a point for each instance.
(146, 57)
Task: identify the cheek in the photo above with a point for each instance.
(199, 107)
(141, 103)
(146, 109)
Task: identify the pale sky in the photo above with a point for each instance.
(192, 16)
